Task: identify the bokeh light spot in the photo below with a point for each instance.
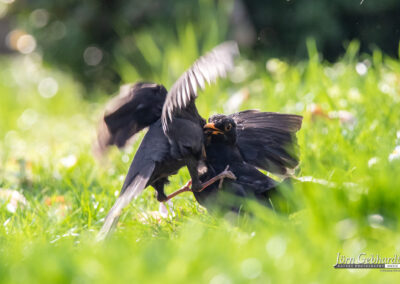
(48, 87)
(12, 38)
(27, 119)
(276, 247)
(361, 68)
(346, 229)
(251, 268)
(68, 161)
(3, 10)
(26, 44)
(92, 56)
(57, 30)
(39, 18)
(220, 279)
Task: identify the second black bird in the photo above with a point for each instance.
(246, 142)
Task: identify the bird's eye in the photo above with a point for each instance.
(228, 127)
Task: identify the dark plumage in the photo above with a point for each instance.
(246, 141)
(175, 135)
(135, 108)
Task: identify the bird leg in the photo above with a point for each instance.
(220, 177)
(159, 187)
(187, 187)
(192, 166)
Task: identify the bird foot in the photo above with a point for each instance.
(220, 177)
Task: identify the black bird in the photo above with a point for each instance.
(246, 141)
(175, 135)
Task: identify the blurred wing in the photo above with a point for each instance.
(267, 140)
(207, 68)
(135, 107)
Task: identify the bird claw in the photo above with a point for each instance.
(220, 177)
(189, 185)
(228, 174)
(225, 174)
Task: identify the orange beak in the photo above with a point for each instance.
(210, 128)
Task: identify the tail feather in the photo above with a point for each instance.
(128, 192)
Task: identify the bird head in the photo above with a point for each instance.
(220, 128)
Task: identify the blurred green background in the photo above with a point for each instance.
(92, 39)
(335, 63)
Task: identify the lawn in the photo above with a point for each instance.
(348, 142)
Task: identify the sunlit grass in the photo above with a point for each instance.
(351, 128)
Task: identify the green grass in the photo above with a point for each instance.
(46, 154)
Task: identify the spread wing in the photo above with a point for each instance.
(267, 140)
(207, 68)
(134, 108)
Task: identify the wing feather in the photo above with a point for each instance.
(267, 140)
(207, 68)
(133, 109)
(193, 83)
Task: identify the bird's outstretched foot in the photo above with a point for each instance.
(188, 186)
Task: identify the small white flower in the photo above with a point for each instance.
(344, 116)
(361, 68)
(11, 208)
(375, 220)
(6, 222)
(373, 161)
(316, 180)
(68, 161)
(395, 155)
(14, 198)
